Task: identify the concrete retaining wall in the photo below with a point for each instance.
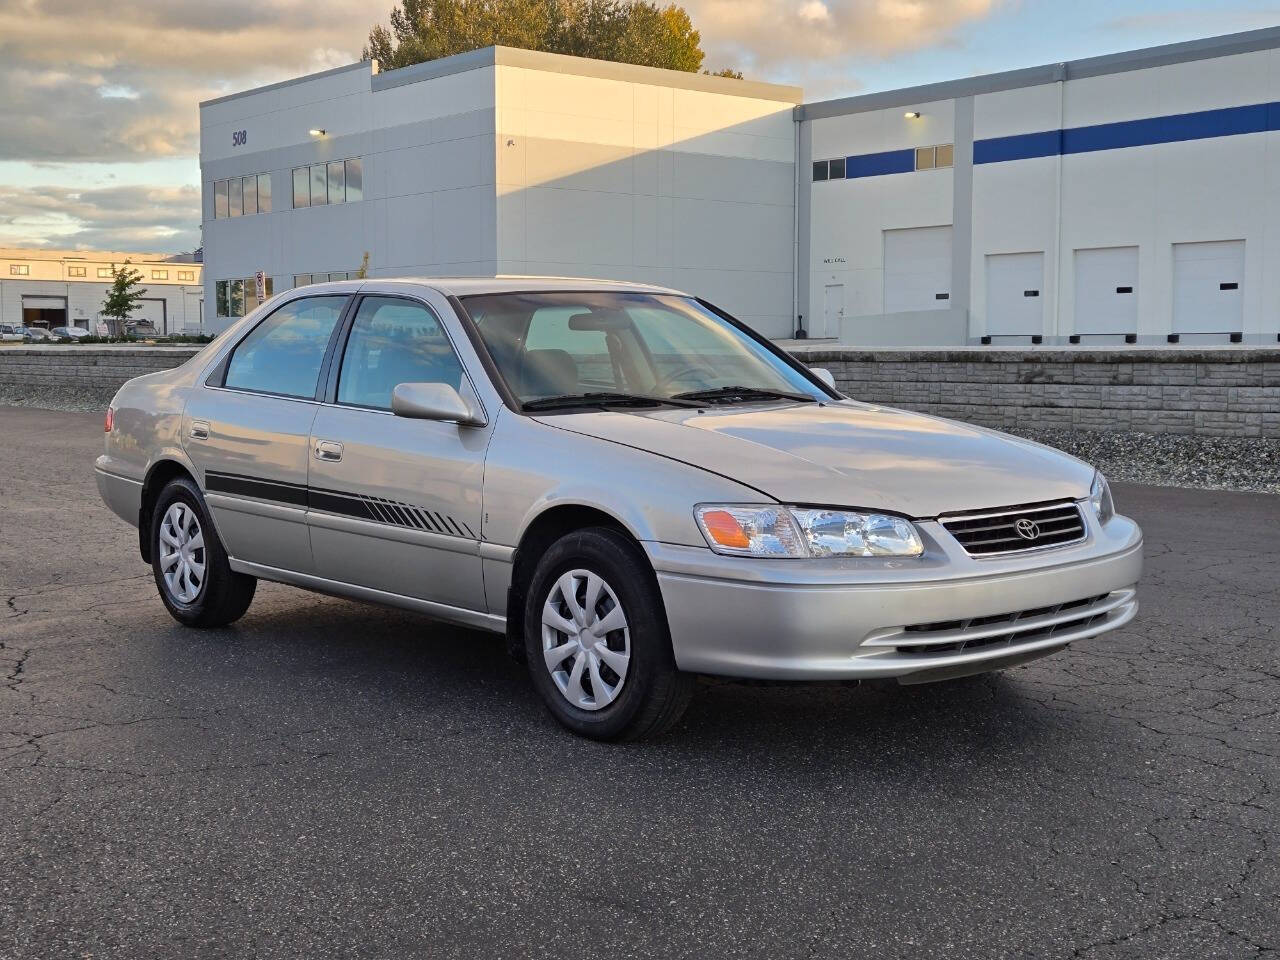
(1215, 392)
(103, 367)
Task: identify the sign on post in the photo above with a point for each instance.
(260, 285)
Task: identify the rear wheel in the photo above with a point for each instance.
(196, 583)
(596, 639)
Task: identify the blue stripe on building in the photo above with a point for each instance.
(878, 164)
(1175, 128)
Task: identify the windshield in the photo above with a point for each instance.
(568, 344)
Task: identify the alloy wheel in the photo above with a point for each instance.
(586, 641)
(182, 552)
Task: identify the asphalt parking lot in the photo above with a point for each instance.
(327, 779)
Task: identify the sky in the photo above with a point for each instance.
(99, 122)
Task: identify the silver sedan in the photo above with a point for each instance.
(631, 485)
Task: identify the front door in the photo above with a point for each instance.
(395, 503)
(248, 432)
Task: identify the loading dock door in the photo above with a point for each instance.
(1106, 290)
(1208, 287)
(1015, 294)
(44, 312)
(917, 269)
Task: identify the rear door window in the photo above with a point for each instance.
(284, 352)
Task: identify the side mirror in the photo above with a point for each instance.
(823, 374)
(433, 401)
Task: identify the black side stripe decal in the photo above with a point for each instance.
(239, 486)
(376, 509)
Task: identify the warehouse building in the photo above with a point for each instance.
(1125, 198)
(65, 288)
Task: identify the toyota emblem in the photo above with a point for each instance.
(1027, 529)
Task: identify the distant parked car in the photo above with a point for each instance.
(10, 332)
(37, 335)
(141, 328)
(68, 333)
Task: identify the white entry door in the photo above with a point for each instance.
(1106, 290)
(1208, 287)
(832, 310)
(1015, 294)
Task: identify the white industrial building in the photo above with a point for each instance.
(65, 288)
(1125, 198)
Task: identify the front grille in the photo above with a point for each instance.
(1014, 529)
(1007, 629)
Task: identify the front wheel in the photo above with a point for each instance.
(596, 639)
(196, 583)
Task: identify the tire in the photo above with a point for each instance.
(649, 695)
(218, 595)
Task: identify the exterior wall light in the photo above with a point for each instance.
(912, 114)
(316, 132)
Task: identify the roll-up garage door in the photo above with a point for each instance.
(917, 269)
(1106, 290)
(1208, 287)
(1015, 295)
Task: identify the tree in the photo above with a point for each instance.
(363, 272)
(625, 31)
(122, 299)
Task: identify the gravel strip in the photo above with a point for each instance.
(75, 399)
(1174, 460)
(1161, 459)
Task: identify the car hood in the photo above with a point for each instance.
(847, 454)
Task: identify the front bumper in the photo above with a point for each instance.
(825, 620)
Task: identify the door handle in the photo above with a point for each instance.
(330, 451)
(199, 430)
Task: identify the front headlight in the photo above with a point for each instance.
(1100, 495)
(750, 531)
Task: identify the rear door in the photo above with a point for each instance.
(248, 427)
(395, 504)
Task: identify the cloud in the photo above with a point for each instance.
(101, 82)
(105, 218)
(789, 38)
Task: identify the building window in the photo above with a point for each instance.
(235, 298)
(338, 181)
(303, 279)
(930, 158)
(159, 274)
(355, 179)
(187, 275)
(104, 273)
(19, 270)
(76, 271)
(301, 187)
(242, 196)
(829, 169)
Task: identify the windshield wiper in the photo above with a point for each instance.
(732, 393)
(605, 399)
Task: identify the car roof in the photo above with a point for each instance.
(471, 286)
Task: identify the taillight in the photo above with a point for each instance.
(110, 422)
